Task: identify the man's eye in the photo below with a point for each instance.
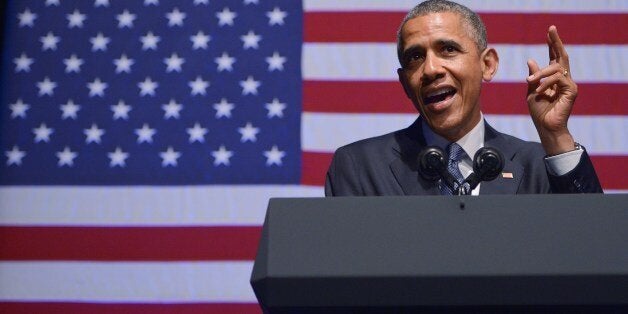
(450, 49)
(415, 57)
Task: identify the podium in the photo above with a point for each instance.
(397, 254)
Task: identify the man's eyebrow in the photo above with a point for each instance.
(448, 42)
(412, 48)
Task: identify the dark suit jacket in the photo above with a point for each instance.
(387, 165)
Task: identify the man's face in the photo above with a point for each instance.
(442, 72)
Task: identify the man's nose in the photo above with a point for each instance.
(432, 68)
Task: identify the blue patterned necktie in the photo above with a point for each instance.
(456, 154)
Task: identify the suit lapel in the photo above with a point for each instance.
(508, 182)
(405, 168)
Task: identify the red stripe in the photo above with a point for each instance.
(128, 243)
(497, 98)
(314, 168)
(520, 28)
(611, 170)
(130, 308)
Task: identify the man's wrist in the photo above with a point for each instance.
(558, 144)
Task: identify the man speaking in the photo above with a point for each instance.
(444, 58)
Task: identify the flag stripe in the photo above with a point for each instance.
(127, 282)
(128, 308)
(378, 62)
(359, 27)
(496, 98)
(564, 6)
(324, 132)
(129, 243)
(142, 206)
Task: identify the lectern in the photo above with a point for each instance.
(459, 253)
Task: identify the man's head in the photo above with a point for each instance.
(444, 59)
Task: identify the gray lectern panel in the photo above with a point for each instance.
(407, 252)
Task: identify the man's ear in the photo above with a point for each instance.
(404, 82)
(490, 63)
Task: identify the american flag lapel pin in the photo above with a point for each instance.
(507, 175)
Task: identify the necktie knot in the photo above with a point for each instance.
(456, 153)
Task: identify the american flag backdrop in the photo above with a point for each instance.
(141, 140)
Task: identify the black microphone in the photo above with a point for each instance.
(433, 166)
(488, 163)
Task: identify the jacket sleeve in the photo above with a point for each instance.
(581, 179)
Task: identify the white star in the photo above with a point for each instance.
(200, 40)
(66, 157)
(23, 63)
(251, 40)
(275, 62)
(223, 108)
(125, 19)
(276, 16)
(251, 2)
(249, 133)
(99, 42)
(120, 110)
(97, 88)
(123, 64)
(93, 134)
(147, 87)
(118, 158)
(149, 41)
(250, 86)
(76, 19)
(19, 108)
(225, 17)
(73, 64)
(27, 18)
(198, 86)
(173, 63)
(52, 2)
(46, 87)
(275, 108)
(101, 3)
(42, 133)
(145, 134)
(49, 42)
(69, 110)
(274, 156)
(197, 2)
(222, 156)
(225, 62)
(149, 2)
(197, 133)
(169, 157)
(14, 156)
(175, 17)
(171, 109)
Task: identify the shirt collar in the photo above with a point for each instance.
(470, 142)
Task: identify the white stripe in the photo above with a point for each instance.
(324, 132)
(616, 191)
(127, 282)
(142, 205)
(554, 6)
(378, 61)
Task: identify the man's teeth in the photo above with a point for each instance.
(438, 95)
(440, 92)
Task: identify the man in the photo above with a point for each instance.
(444, 59)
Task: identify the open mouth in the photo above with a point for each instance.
(439, 95)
